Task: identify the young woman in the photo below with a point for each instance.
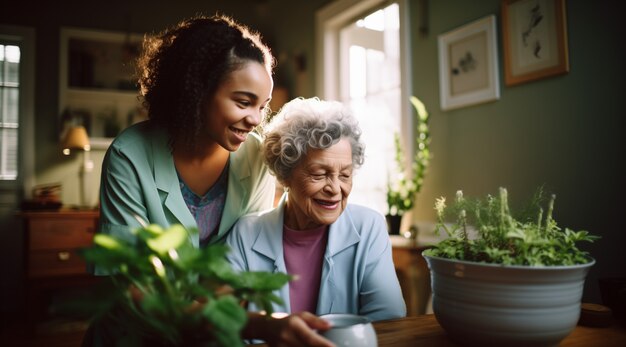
(206, 84)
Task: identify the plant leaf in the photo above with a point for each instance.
(172, 238)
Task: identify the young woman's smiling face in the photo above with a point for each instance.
(238, 105)
(319, 187)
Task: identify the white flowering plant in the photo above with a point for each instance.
(402, 190)
(530, 237)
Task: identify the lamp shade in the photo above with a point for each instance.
(76, 138)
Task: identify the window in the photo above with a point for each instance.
(17, 140)
(17, 71)
(363, 59)
(9, 110)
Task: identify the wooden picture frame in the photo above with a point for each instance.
(468, 64)
(534, 36)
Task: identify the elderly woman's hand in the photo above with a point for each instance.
(298, 329)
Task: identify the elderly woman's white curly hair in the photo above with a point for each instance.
(302, 124)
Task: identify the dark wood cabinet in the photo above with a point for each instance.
(52, 261)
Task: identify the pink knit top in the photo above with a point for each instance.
(304, 255)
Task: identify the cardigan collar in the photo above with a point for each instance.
(342, 234)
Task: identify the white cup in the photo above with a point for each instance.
(350, 330)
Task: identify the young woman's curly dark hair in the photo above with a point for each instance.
(181, 68)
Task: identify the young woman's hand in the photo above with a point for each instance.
(299, 329)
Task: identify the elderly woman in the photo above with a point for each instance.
(339, 253)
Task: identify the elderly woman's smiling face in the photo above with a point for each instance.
(319, 187)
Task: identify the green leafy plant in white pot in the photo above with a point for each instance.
(402, 190)
(506, 279)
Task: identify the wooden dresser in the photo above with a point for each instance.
(52, 263)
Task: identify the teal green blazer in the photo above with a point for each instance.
(139, 181)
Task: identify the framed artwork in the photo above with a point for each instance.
(468, 64)
(535, 40)
(97, 88)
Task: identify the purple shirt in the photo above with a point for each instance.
(304, 254)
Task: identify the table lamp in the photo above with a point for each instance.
(76, 138)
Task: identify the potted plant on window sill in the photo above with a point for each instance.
(402, 190)
(511, 281)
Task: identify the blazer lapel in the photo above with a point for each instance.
(167, 183)
(238, 192)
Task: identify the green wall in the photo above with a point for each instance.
(565, 132)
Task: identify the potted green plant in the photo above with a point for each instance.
(165, 289)
(401, 189)
(504, 278)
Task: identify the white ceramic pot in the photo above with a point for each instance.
(350, 330)
(496, 305)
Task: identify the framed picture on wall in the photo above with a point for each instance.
(535, 40)
(468, 64)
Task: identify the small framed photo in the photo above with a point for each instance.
(468, 64)
(535, 40)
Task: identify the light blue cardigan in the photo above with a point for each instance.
(358, 275)
(139, 179)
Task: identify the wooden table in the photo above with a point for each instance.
(425, 331)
